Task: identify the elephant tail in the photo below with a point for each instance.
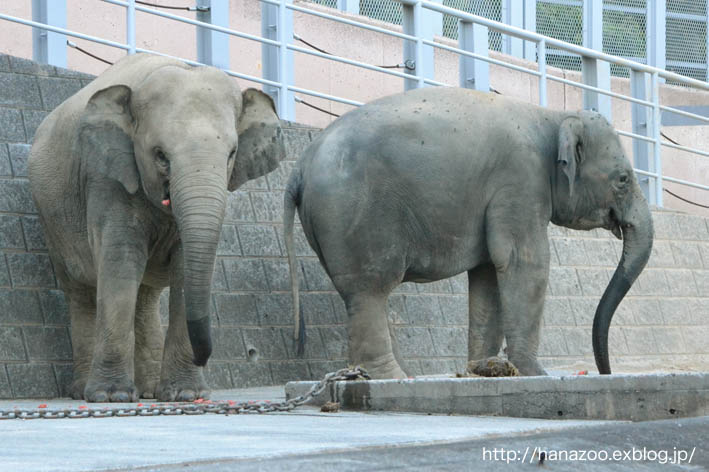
(291, 200)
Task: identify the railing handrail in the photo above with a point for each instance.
(541, 41)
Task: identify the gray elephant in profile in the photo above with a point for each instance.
(425, 185)
(130, 177)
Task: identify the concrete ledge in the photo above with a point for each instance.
(635, 397)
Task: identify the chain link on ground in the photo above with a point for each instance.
(198, 407)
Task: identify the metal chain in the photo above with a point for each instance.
(198, 407)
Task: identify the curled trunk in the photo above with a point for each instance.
(637, 245)
(198, 199)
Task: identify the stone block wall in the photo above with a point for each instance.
(663, 323)
(35, 349)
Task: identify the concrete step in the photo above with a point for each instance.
(634, 397)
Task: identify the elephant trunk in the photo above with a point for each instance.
(198, 199)
(637, 231)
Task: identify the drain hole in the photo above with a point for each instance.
(560, 413)
(672, 411)
(253, 354)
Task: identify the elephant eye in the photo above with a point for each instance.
(161, 158)
(623, 179)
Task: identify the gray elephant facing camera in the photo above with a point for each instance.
(130, 177)
(427, 184)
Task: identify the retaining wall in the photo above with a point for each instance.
(663, 324)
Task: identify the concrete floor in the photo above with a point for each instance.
(307, 439)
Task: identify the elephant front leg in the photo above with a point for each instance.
(82, 310)
(522, 279)
(111, 375)
(485, 313)
(180, 379)
(148, 341)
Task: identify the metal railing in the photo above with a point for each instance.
(596, 86)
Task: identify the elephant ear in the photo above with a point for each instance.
(570, 153)
(261, 147)
(104, 138)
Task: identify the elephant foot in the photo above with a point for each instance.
(385, 367)
(147, 389)
(76, 389)
(528, 367)
(147, 378)
(117, 391)
(184, 389)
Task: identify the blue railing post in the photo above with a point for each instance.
(542, 64)
(530, 24)
(656, 33)
(348, 6)
(48, 47)
(212, 46)
(513, 15)
(641, 120)
(424, 24)
(474, 73)
(277, 24)
(130, 26)
(657, 148)
(595, 72)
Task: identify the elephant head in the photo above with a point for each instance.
(594, 186)
(183, 137)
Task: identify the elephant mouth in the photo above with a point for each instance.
(166, 195)
(614, 224)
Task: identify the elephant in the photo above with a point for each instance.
(130, 178)
(424, 185)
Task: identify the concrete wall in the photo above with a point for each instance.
(664, 323)
(105, 20)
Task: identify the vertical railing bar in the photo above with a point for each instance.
(419, 43)
(130, 26)
(282, 59)
(656, 135)
(542, 63)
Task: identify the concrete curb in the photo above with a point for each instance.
(635, 397)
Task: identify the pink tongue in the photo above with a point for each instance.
(166, 202)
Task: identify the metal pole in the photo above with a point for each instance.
(513, 15)
(282, 60)
(656, 33)
(286, 99)
(348, 6)
(657, 151)
(473, 73)
(419, 44)
(213, 46)
(49, 47)
(542, 62)
(130, 26)
(595, 72)
(641, 125)
(530, 24)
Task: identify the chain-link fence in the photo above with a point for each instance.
(563, 20)
(687, 38)
(491, 9)
(384, 10)
(624, 29)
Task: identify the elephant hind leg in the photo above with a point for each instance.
(148, 341)
(82, 311)
(485, 333)
(369, 338)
